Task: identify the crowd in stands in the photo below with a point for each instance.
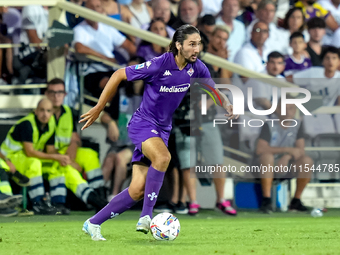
(297, 41)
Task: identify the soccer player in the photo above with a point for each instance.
(166, 79)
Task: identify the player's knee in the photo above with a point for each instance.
(136, 193)
(162, 161)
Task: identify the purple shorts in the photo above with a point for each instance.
(140, 130)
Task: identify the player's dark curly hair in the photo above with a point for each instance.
(180, 36)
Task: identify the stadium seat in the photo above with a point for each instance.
(327, 157)
(319, 124)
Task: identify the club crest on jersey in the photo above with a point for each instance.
(140, 66)
(190, 71)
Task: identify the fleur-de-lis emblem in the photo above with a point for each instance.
(152, 196)
(114, 215)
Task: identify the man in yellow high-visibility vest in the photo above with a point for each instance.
(68, 143)
(29, 145)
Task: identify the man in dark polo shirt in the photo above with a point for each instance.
(280, 146)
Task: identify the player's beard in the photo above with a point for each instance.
(188, 60)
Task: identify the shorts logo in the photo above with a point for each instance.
(148, 63)
(167, 73)
(190, 71)
(154, 131)
(140, 66)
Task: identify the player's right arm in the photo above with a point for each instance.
(109, 91)
(145, 71)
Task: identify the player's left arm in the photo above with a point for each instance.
(109, 91)
(225, 104)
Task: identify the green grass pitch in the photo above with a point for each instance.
(208, 233)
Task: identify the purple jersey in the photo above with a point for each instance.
(164, 86)
(293, 65)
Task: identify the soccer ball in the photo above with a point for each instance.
(165, 227)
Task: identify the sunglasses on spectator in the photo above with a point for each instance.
(259, 30)
(58, 93)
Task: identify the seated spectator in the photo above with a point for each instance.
(294, 21)
(188, 12)
(266, 12)
(246, 14)
(323, 80)
(24, 146)
(139, 13)
(149, 50)
(99, 40)
(207, 25)
(316, 29)
(312, 9)
(253, 54)
(262, 91)
(31, 61)
(161, 9)
(297, 61)
(282, 146)
(68, 141)
(218, 46)
(227, 18)
(115, 119)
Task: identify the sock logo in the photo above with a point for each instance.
(152, 196)
(114, 215)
